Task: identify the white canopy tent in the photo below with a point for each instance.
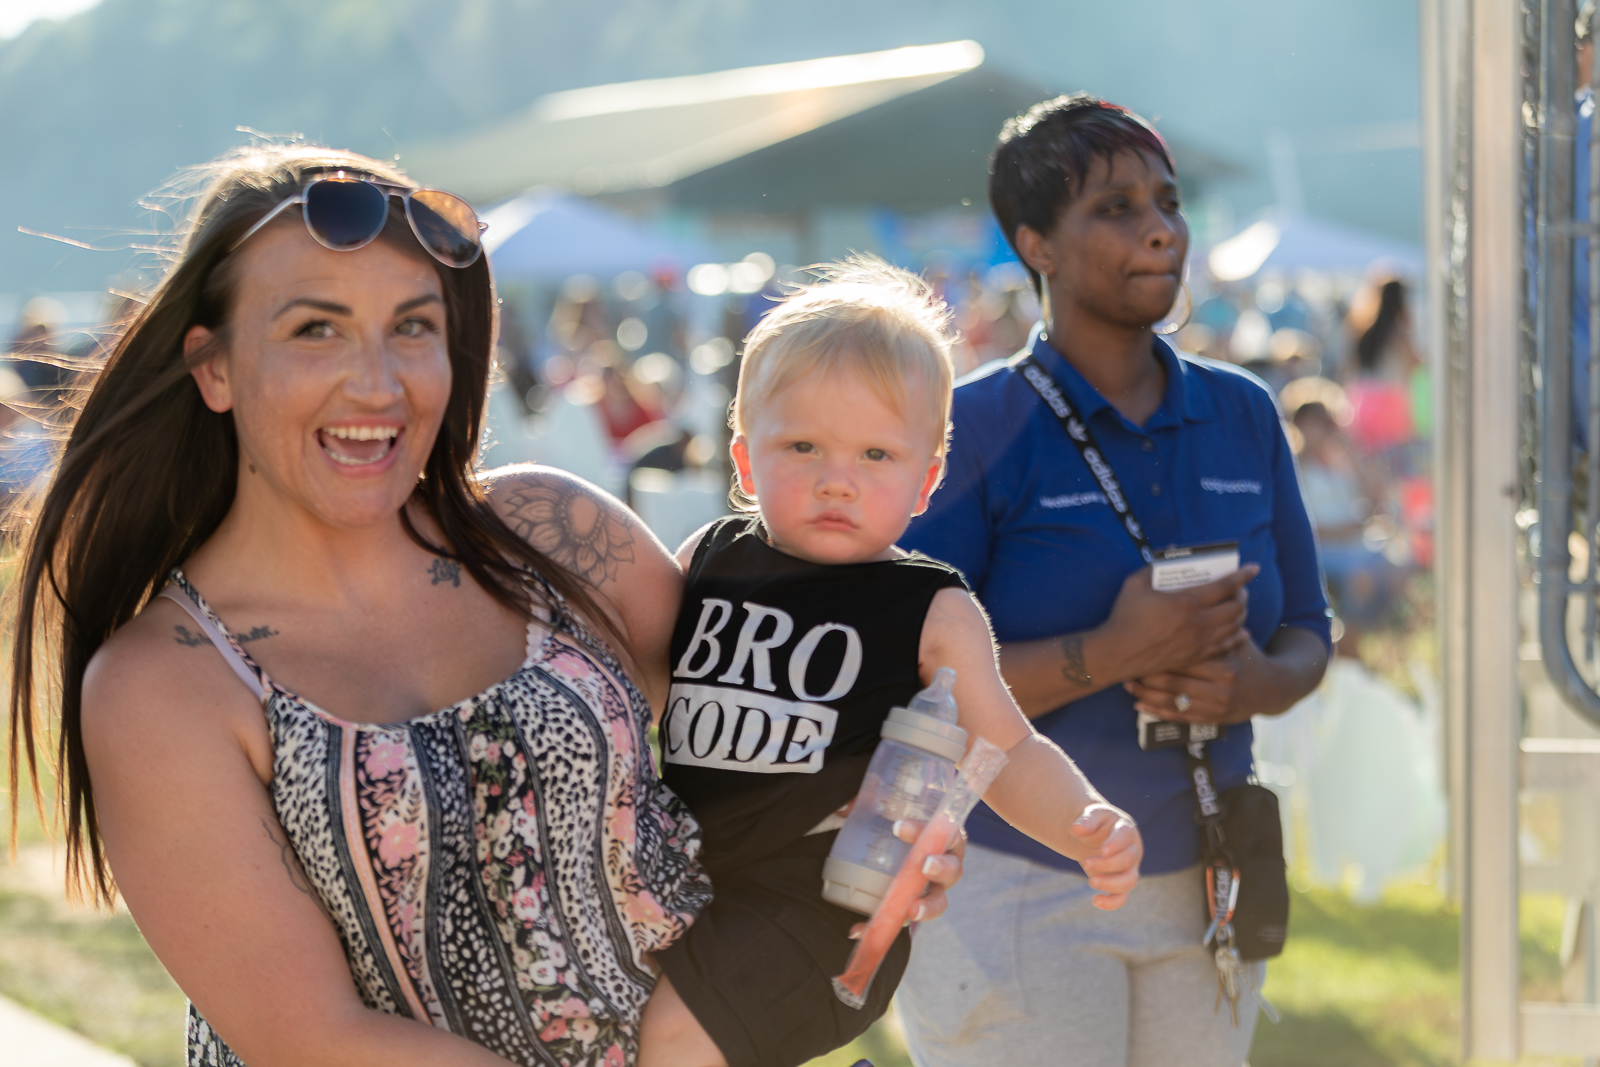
(549, 234)
(1295, 243)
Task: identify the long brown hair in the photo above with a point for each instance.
(148, 472)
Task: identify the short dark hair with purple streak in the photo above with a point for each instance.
(1045, 153)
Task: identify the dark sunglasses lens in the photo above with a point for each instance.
(446, 225)
(344, 213)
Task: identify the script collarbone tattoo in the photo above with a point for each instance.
(189, 639)
(571, 525)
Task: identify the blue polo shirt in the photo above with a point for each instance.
(1023, 518)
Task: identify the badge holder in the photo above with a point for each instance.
(1173, 569)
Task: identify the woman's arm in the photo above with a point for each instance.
(1041, 791)
(600, 541)
(178, 753)
(1148, 632)
(1246, 682)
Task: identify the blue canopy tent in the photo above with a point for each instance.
(549, 234)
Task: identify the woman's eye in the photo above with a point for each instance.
(319, 330)
(416, 327)
(876, 454)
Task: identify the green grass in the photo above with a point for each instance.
(1358, 986)
(1362, 986)
(93, 973)
(87, 970)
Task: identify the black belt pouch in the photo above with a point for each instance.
(1253, 835)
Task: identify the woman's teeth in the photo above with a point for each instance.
(361, 433)
(357, 446)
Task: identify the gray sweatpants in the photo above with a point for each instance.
(1024, 971)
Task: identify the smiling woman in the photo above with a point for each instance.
(344, 354)
(399, 807)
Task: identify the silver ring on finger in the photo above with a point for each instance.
(1182, 702)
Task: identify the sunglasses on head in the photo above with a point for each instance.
(345, 213)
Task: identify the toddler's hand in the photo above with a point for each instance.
(1115, 849)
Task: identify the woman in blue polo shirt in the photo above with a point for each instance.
(1024, 970)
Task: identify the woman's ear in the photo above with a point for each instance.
(740, 451)
(1035, 251)
(212, 375)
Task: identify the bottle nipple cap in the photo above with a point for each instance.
(938, 699)
(929, 722)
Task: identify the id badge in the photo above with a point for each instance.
(1182, 568)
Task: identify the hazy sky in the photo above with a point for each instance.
(16, 14)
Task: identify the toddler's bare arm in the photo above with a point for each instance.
(1041, 791)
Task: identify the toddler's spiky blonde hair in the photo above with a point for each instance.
(861, 314)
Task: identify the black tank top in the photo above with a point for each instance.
(782, 674)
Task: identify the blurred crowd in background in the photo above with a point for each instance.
(654, 365)
(626, 381)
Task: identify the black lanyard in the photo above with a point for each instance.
(1082, 438)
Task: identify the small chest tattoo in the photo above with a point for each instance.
(189, 639)
(446, 570)
(192, 640)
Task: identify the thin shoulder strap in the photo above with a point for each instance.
(209, 628)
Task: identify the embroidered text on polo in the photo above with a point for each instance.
(1071, 500)
(1234, 485)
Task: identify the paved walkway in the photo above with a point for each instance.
(30, 1041)
(26, 1039)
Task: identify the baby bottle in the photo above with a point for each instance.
(912, 769)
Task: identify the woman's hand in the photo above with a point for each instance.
(1147, 633)
(1113, 865)
(1210, 691)
(1242, 683)
(1161, 632)
(942, 872)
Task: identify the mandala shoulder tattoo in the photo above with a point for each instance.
(571, 525)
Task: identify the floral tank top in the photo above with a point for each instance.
(497, 868)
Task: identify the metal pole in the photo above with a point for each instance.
(1440, 23)
(1492, 706)
(1435, 152)
(1452, 391)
